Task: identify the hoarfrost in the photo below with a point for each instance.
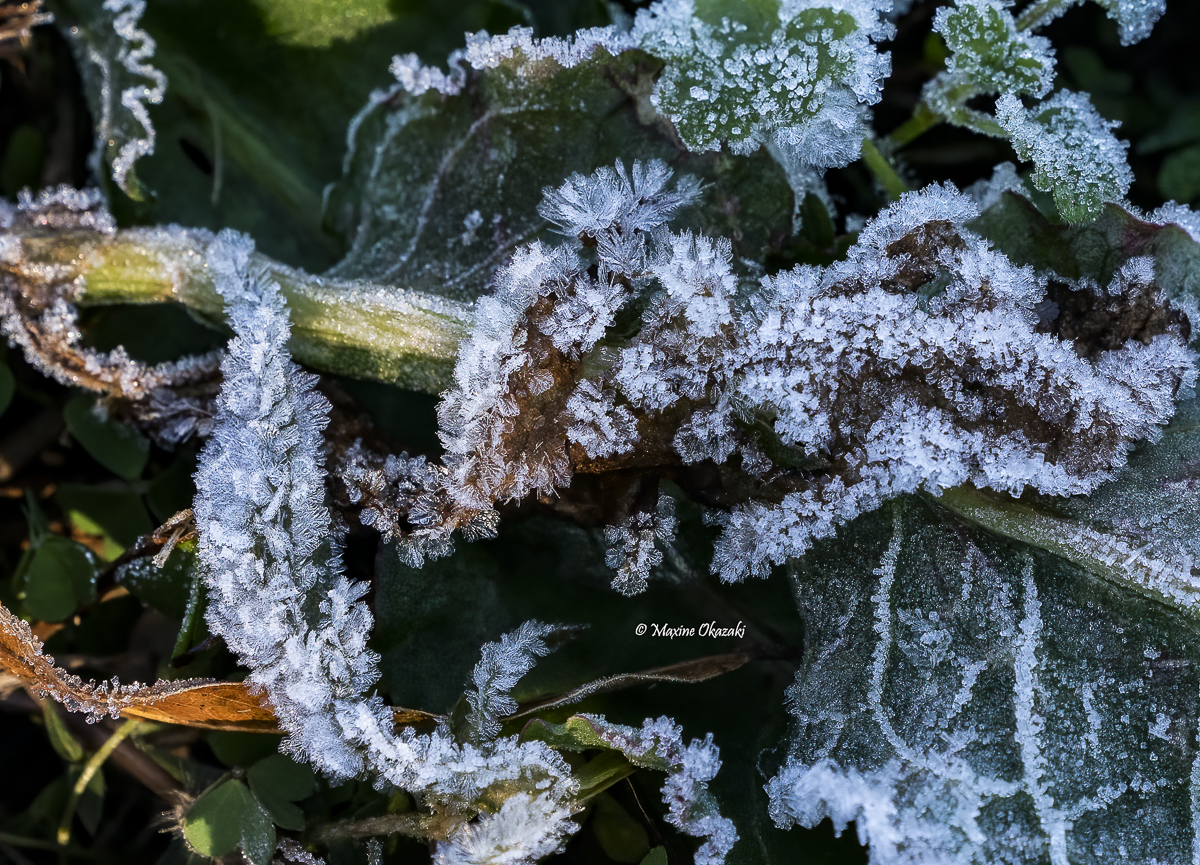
(962, 702)
(484, 51)
(987, 49)
(793, 73)
(923, 361)
(278, 595)
(633, 546)
(690, 806)
(125, 83)
(1075, 156)
(500, 667)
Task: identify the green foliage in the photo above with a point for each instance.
(61, 575)
(986, 49)
(225, 817)
(117, 447)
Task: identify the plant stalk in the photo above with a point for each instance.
(353, 328)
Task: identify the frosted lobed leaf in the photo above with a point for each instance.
(1135, 18)
(987, 50)
(1075, 155)
(633, 546)
(962, 701)
(790, 72)
(120, 84)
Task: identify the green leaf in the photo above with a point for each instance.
(601, 772)
(228, 816)
(1179, 177)
(167, 588)
(281, 777)
(61, 577)
(657, 856)
(172, 490)
(90, 808)
(980, 691)
(987, 50)
(242, 749)
(438, 191)
(119, 448)
(8, 386)
(621, 837)
(118, 513)
(61, 738)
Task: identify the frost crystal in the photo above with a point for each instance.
(633, 546)
(987, 50)
(1135, 18)
(792, 72)
(279, 598)
(500, 667)
(525, 829)
(1075, 156)
(690, 807)
(484, 51)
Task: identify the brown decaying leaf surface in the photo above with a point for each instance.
(191, 703)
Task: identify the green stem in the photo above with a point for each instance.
(90, 768)
(923, 119)
(352, 328)
(883, 171)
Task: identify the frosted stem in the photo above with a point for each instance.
(355, 328)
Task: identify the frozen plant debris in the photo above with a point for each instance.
(792, 73)
(1075, 155)
(172, 401)
(925, 360)
(278, 597)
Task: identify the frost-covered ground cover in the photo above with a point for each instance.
(706, 342)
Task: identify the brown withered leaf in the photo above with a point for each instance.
(199, 703)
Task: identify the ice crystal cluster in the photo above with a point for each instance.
(987, 49)
(280, 600)
(924, 360)
(794, 72)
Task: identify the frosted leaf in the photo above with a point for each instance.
(965, 702)
(524, 830)
(1075, 156)
(500, 667)
(484, 51)
(744, 74)
(1181, 215)
(120, 82)
(987, 50)
(690, 806)
(633, 546)
(1135, 18)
